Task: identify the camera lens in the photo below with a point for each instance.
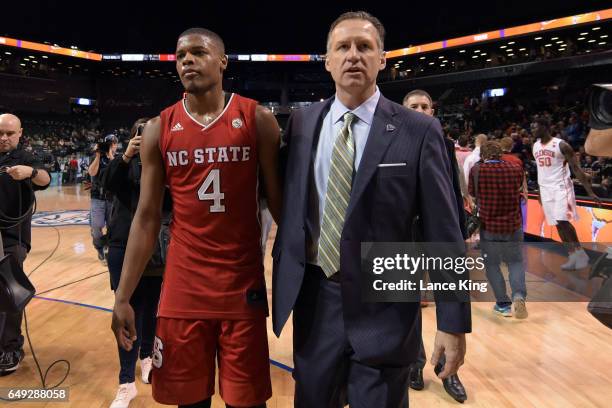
(601, 107)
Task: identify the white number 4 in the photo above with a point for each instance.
(214, 178)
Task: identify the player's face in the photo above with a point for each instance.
(354, 57)
(10, 132)
(419, 103)
(199, 62)
(540, 131)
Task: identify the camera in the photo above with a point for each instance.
(599, 103)
(103, 146)
(600, 106)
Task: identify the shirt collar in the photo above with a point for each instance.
(365, 111)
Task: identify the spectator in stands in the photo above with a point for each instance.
(506, 144)
(462, 151)
(499, 188)
(474, 157)
(73, 166)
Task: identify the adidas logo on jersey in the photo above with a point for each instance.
(176, 127)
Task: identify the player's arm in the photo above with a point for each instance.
(568, 153)
(268, 144)
(143, 233)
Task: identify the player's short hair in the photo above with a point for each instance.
(418, 92)
(491, 150)
(463, 140)
(216, 38)
(506, 143)
(359, 15)
(543, 122)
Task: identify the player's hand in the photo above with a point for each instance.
(123, 325)
(452, 345)
(19, 172)
(133, 146)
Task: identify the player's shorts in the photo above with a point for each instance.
(558, 205)
(184, 361)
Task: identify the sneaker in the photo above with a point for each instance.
(570, 265)
(9, 361)
(505, 311)
(145, 369)
(125, 394)
(582, 259)
(519, 308)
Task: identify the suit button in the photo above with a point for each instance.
(302, 264)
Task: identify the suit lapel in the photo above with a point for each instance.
(382, 131)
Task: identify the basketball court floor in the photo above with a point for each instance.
(558, 357)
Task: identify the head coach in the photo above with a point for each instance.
(359, 168)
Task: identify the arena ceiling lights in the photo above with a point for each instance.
(564, 22)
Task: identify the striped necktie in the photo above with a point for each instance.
(337, 197)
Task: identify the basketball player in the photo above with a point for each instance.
(554, 157)
(420, 101)
(209, 148)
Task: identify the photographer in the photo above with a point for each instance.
(122, 179)
(101, 204)
(20, 174)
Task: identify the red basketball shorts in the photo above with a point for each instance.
(184, 361)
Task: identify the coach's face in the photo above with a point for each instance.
(354, 56)
(199, 62)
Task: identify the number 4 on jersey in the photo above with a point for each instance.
(214, 178)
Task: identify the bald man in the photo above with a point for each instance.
(18, 171)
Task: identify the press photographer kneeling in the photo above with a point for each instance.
(122, 179)
(20, 175)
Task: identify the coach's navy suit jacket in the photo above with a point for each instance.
(383, 204)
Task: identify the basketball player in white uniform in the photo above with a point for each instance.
(554, 158)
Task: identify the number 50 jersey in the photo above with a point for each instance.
(553, 169)
(214, 266)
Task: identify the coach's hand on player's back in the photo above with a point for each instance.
(123, 325)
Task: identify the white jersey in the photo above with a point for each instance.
(553, 169)
(556, 187)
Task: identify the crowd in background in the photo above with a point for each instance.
(504, 117)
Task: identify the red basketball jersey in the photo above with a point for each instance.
(214, 267)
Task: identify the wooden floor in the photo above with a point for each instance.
(559, 357)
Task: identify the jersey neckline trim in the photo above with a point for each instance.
(204, 127)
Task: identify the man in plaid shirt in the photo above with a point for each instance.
(499, 196)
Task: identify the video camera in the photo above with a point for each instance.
(104, 145)
(599, 104)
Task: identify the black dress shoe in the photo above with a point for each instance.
(452, 385)
(415, 378)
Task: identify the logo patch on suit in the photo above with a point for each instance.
(237, 123)
(177, 127)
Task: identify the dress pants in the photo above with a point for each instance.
(327, 374)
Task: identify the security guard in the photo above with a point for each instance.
(18, 171)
